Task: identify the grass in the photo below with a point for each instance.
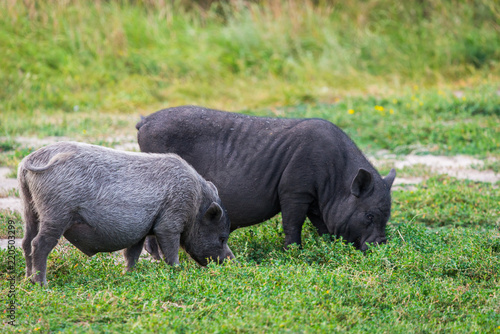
(5, 216)
(461, 203)
(12, 158)
(422, 280)
(439, 272)
(126, 56)
(433, 121)
(414, 77)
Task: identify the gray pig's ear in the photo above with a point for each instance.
(214, 212)
(389, 179)
(362, 183)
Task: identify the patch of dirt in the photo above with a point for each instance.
(126, 143)
(4, 243)
(39, 142)
(459, 166)
(6, 183)
(10, 203)
(406, 183)
(123, 143)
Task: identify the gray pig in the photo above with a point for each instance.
(103, 200)
(261, 166)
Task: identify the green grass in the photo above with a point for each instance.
(423, 280)
(432, 120)
(439, 272)
(406, 77)
(12, 158)
(446, 201)
(127, 56)
(5, 216)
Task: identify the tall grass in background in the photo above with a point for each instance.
(133, 55)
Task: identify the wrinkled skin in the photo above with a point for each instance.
(263, 166)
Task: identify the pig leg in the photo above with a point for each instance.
(41, 246)
(318, 222)
(132, 254)
(168, 230)
(151, 246)
(30, 232)
(31, 222)
(169, 245)
(293, 215)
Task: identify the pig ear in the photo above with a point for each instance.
(214, 212)
(362, 183)
(389, 179)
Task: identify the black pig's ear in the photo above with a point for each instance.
(214, 212)
(389, 179)
(362, 183)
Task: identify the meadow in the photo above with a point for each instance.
(415, 77)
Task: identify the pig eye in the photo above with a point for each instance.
(222, 240)
(369, 217)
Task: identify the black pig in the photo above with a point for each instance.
(261, 166)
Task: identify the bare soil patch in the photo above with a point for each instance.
(6, 183)
(460, 166)
(121, 142)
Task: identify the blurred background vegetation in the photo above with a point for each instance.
(138, 56)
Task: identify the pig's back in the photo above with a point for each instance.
(243, 156)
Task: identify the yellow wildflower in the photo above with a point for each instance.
(350, 111)
(379, 108)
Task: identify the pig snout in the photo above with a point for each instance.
(378, 241)
(221, 257)
(228, 254)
